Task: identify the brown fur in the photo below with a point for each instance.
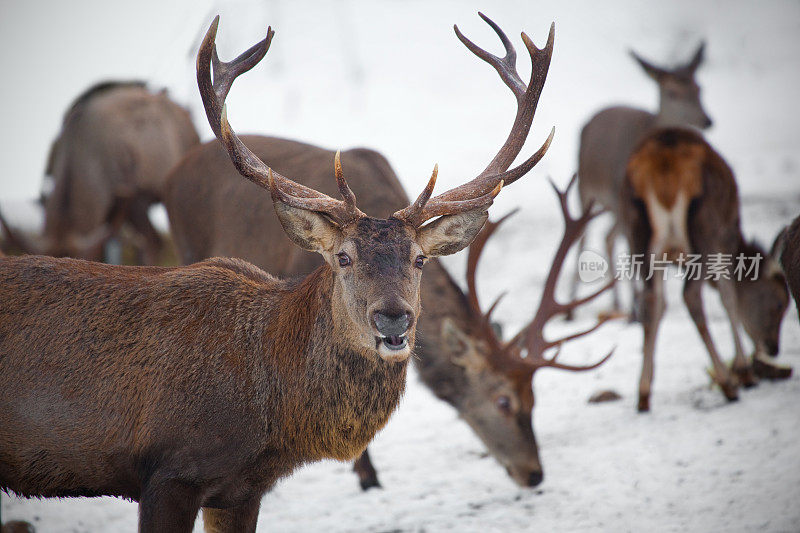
(610, 136)
(117, 142)
(223, 380)
(790, 259)
(213, 212)
(666, 169)
(713, 227)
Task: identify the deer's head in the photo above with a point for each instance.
(762, 298)
(679, 93)
(376, 263)
(498, 400)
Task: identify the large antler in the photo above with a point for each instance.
(531, 338)
(247, 163)
(484, 320)
(470, 194)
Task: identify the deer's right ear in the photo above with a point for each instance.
(451, 233)
(309, 230)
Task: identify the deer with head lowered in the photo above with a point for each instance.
(200, 386)
(608, 139)
(679, 198)
(786, 250)
(206, 201)
(118, 141)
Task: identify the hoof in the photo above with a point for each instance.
(644, 404)
(730, 391)
(746, 376)
(370, 483)
(769, 370)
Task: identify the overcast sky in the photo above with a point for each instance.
(389, 74)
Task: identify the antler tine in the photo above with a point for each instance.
(549, 307)
(473, 256)
(413, 213)
(506, 66)
(214, 93)
(542, 362)
(578, 334)
(247, 163)
(344, 189)
(527, 100)
(492, 307)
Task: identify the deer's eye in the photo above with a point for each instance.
(344, 259)
(419, 262)
(504, 404)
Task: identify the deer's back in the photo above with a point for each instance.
(606, 143)
(119, 140)
(136, 368)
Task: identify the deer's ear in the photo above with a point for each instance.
(460, 347)
(649, 68)
(451, 233)
(309, 230)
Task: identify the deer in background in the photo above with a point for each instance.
(608, 139)
(680, 197)
(212, 213)
(117, 143)
(201, 386)
(786, 249)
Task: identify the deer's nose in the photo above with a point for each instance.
(534, 478)
(709, 122)
(390, 323)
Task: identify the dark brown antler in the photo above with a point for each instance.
(473, 256)
(247, 163)
(531, 338)
(481, 188)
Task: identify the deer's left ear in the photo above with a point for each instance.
(451, 233)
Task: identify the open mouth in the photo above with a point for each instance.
(393, 342)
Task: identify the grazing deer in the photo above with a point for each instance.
(117, 143)
(786, 250)
(608, 140)
(680, 198)
(201, 386)
(213, 212)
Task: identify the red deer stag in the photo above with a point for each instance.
(205, 200)
(608, 139)
(201, 386)
(680, 198)
(117, 143)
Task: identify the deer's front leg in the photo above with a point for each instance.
(168, 506)
(242, 518)
(367, 476)
(741, 367)
(694, 302)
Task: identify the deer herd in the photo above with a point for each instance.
(200, 386)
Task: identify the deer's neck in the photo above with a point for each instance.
(442, 298)
(340, 394)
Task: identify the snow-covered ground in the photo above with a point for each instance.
(391, 75)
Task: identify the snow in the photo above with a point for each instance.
(391, 75)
